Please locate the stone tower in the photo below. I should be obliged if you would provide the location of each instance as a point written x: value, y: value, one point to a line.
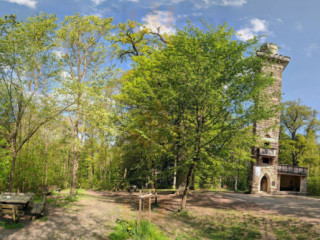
x: 265, y: 168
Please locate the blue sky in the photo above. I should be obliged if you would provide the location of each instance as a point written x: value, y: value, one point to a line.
x: 294, y: 25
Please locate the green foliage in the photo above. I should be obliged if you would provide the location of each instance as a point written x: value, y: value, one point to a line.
x: 299, y: 141
x: 188, y: 100
x: 4, y: 163
x: 129, y: 230
x: 135, y: 39
x: 11, y: 225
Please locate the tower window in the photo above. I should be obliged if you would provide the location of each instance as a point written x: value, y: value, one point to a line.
x: 265, y: 160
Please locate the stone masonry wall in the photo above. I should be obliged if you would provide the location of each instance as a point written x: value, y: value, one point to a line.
x: 269, y: 129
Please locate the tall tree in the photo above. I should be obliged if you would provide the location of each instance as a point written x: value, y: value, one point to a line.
x: 299, y: 124
x: 82, y: 42
x: 206, y: 81
x: 27, y: 71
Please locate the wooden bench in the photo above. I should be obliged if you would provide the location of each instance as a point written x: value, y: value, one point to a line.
x: 16, y: 211
x: 44, y: 191
x: 38, y: 209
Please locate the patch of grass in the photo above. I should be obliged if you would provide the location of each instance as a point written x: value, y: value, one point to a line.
x: 37, y: 198
x: 43, y: 219
x: 282, y: 234
x: 241, y: 225
x: 10, y: 225
x: 183, y: 214
x: 129, y: 230
x: 63, y: 199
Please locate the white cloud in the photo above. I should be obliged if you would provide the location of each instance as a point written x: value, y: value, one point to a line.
x: 203, y: 4
x: 232, y: 3
x: 311, y: 49
x: 58, y: 53
x: 97, y: 2
x: 299, y: 26
x: 65, y: 74
x: 198, y: 4
x: 256, y: 26
x: 160, y: 19
x: 28, y: 3
x: 135, y: 1
x: 195, y: 14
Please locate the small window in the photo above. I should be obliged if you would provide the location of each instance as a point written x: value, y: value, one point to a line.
x: 267, y: 144
x: 265, y: 160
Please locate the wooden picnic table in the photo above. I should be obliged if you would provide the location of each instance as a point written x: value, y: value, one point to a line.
x: 14, y: 204
x: 16, y: 198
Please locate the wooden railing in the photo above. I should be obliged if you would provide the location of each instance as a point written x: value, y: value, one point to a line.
x: 271, y: 152
x: 292, y: 169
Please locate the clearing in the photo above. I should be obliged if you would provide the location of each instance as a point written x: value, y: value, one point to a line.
x: 210, y: 215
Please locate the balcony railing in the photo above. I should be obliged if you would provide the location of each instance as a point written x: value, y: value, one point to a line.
x: 292, y: 169
x: 270, y: 152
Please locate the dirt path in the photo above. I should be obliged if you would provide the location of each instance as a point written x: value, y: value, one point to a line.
x: 306, y: 208
x: 94, y: 216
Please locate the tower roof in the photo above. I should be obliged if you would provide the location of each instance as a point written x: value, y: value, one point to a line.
x: 270, y: 51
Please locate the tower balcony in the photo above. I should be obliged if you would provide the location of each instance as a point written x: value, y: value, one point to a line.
x: 268, y: 152
x: 289, y: 169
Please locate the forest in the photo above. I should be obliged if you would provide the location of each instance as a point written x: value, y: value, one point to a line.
x: 86, y: 103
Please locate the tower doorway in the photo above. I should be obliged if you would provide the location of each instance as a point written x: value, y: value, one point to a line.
x: 264, y: 184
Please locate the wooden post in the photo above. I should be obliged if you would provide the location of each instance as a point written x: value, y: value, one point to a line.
x: 220, y: 184
x: 155, y: 186
x: 236, y: 184
x: 156, y: 198
x: 139, y: 214
x: 149, y: 206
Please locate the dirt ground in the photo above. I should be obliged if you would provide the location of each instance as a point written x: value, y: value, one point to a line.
x: 95, y: 214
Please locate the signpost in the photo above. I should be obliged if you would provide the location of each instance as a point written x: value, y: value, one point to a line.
x: 141, y: 199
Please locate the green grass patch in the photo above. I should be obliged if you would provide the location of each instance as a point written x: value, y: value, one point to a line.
x: 182, y: 214
x: 233, y: 224
x: 43, y: 219
x: 63, y: 199
x: 10, y: 225
x: 129, y: 230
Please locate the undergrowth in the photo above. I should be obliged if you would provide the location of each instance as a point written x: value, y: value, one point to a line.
x: 10, y: 225
x: 129, y: 230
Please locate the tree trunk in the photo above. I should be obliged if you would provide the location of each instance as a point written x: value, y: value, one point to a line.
x: 155, y: 186
x: 75, y: 158
x: 178, y: 156
x: 125, y: 174
x: 124, y: 178
x: 294, y: 159
x: 174, y: 185
x: 186, y: 189
x: 46, y: 157
x: 14, y: 156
